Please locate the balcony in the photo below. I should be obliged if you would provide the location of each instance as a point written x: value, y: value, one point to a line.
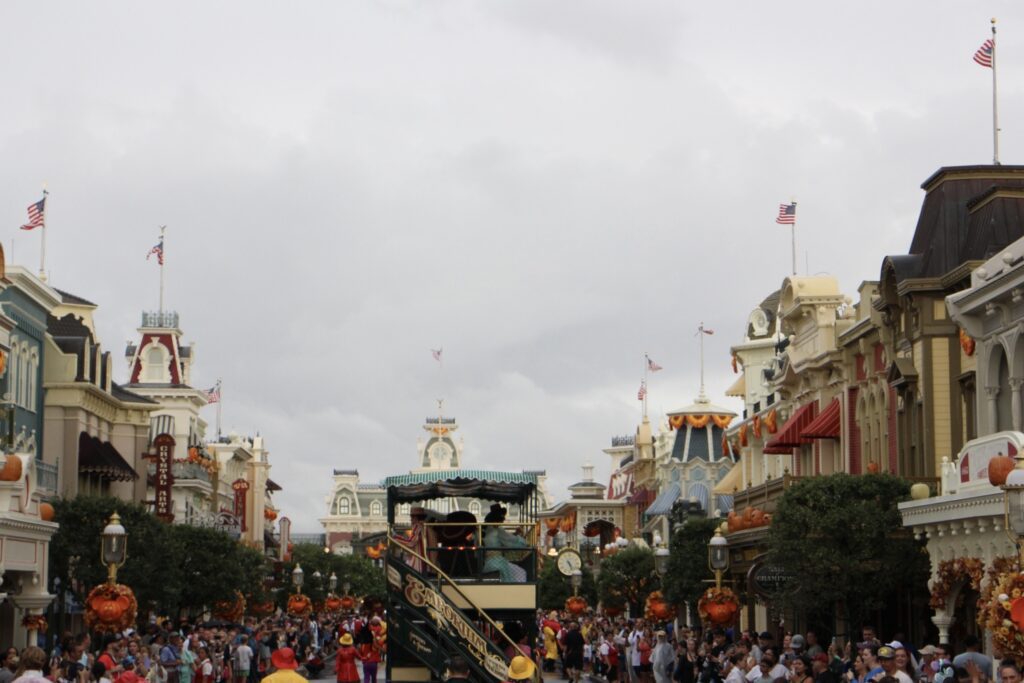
x: 46, y: 478
x: 763, y: 496
x: 184, y: 471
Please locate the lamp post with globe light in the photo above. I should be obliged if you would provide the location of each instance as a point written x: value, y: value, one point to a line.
x: 718, y: 556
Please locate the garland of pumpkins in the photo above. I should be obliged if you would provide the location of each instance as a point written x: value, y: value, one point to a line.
x: 699, y: 421
x: 751, y: 518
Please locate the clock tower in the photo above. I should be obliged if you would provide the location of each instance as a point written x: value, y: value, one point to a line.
x: 440, y: 450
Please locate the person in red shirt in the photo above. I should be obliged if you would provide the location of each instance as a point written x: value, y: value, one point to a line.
x: 128, y: 674
x: 345, y: 665
x: 111, y: 658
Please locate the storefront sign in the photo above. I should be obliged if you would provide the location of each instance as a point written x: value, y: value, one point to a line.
x: 770, y: 580
x: 164, y: 445
x: 241, y: 488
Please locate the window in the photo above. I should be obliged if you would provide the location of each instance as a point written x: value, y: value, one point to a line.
x: 474, y: 508
x: 376, y: 509
x: 342, y: 505
x: 155, y: 363
x: 405, y: 509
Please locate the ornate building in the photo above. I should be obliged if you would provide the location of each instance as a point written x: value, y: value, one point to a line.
x: 357, y: 514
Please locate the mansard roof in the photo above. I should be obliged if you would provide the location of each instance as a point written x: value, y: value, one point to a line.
x: 73, y: 299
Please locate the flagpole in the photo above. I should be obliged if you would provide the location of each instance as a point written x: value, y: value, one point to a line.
x: 42, y: 240
x: 995, y: 104
x: 163, y: 253
x: 792, y: 233
x: 646, y: 365
x: 220, y: 400
x: 700, y: 331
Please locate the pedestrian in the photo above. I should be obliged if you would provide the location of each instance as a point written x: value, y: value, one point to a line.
x: 345, y: 665
x: 241, y: 660
x: 30, y: 666
x: 800, y: 669
x: 573, y: 652
x: 368, y: 654
x: 285, y: 664
x: 663, y: 659
x: 521, y: 668
x: 170, y: 657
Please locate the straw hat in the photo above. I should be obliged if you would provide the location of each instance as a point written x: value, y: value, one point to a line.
x: 346, y: 639
x: 521, y: 668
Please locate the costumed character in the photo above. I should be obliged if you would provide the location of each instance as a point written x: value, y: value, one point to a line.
x: 345, y: 666
x: 497, y: 537
x: 551, y: 629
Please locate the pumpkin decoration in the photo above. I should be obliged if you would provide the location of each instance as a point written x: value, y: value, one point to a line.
x: 874, y: 468
x: 110, y: 608
x: 733, y: 521
x: 718, y: 606
x: 333, y: 603
x: 12, y: 469
x: 998, y: 468
x: 299, y: 605
x: 568, y: 522
x: 756, y: 517
x: 348, y: 603
x: 613, y: 611
x: 46, y: 512
x: 231, y: 610
x: 269, y: 514
x: 576, y: 605
x: 261, y: 609
x: 657, y: 609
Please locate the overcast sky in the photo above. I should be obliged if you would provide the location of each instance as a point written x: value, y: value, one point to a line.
x: 547, y: 189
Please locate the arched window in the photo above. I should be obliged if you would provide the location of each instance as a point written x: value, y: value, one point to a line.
x: 14, y: 374
x: 405, y: 509
x: 342, y: 505
x: 33, y: 380
x: 474, y: 508
x: 376, y: 509
x: 155, y: 363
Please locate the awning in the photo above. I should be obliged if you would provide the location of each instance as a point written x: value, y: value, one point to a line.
x: 738, y: 388
x: 506, y: 487
x: 826, y: 425
x: 662, y: 505
x: 731, y: 482
x: 789, y: 436
x: 101, y: 458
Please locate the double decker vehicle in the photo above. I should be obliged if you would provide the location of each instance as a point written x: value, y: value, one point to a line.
x: 461, y: 572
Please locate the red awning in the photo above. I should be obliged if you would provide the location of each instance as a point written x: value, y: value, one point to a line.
x: 789, y: 436
x: 826, y: 425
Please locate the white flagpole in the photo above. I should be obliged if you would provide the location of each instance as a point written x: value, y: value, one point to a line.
x: 995, y: 104
x: 700, y: 332
x: 42, y: 241
x: 646, y: 364
x: 792, y: 233
x: 163, y: 255
x: 220, y: 400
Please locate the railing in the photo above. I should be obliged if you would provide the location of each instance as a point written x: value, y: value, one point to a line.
x: 627, y: 440
x: 160, y: 319
x: 46, y: 477
x: 763, y: 496
x: 461, y: 549
x: 185, y: 471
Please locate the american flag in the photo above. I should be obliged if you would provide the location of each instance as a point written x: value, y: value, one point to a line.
x: 436, y: 353
x: 158, y: 250
x: 213, y: 394
x: 985, y: 53
x: 642, y: 394
x: 36, y: 215
x: 787, y: 214
x: 652, y: 366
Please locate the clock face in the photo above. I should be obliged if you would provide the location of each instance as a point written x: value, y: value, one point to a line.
x: 569, y: 561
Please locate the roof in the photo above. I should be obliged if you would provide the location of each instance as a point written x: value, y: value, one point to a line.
x: 273, y: 485
x: 68, y: 326
x: 702, y: 406
x: 73, y: 299
x: 100, y: 457
x: 732, y: 481
x: 790, y: 435
x: 739, y: 387
x: 122, y: 394
x: 662, y: 505
x: 826, y: 425
x: 514, y: 487
x: 949, y: 233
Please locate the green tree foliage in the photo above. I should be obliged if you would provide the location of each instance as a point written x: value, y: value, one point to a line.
x: 627, y: 577
x: 841, y: 536
x: 170, y: 567
x: 366, y: 580
x: 554, y: 588
x: 688, y: 569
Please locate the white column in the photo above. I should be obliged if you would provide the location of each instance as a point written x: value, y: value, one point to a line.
x: 1015, y: 402
x: 992, y: 394
x: 943, y: 621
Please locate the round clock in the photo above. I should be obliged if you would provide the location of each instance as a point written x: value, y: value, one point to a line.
x: 568, y: 561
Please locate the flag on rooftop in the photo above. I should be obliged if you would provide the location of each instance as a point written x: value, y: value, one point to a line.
x: 642, y: 394
x: 787, y: 214
x: 213, y: 394
x: 36, y: 215
x: 652, y: 366
x: 985, y: 53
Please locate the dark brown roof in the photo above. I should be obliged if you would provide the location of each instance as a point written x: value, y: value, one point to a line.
x: 122, y: 394
x: 272, y: 485
x: 70, y: 298
x: 949, y: 233
x: 100, y: 457
x: 70, y: 326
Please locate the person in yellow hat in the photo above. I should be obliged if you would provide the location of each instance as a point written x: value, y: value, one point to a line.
x: 521, y: 669
x: 345, y: 665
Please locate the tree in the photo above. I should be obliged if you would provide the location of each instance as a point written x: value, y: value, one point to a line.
x: 554, y: 587
x: 841, y: 537
x: 366, y: 580
x: 627, y: 577
x: 688, y: 569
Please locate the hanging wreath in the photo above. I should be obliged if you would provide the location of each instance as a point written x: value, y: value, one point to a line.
x: 952, y: 572
x: 718, y: 606
x: 34, y: 622
x: 110, y: 608
x: 1001, y: 613
x: 676, y: 421
x: 698, y: 421
x: 721, y: 421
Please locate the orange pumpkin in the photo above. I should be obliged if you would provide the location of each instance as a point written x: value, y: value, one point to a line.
x: 733, y: 521
x: 576, y: 605
x: 998, y: 468
x: 721, y: 612
x: 657, y: 608
x: 333, y: 603
x: 110, y: 609
x: 299, y: 605
x: 348, y: 603
x: 12, y: 469
x: 756, y: 518
x: 46, y: 512
x: 873, y: 468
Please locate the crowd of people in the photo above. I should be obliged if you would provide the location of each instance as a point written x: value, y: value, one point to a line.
x: 252, y: 652
x: 635, y: 651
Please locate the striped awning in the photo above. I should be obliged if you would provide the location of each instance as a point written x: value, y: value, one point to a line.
x: 826, y: 425
x: 662, y: 505
x: 432, y: 477
x: 789, y: 436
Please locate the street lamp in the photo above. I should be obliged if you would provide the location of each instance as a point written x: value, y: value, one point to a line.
x: 718, y: 556
x: 345, y: 587
x: 333, y: 581
x: 114, y: 547
x: 577, y: 580
x: 317, y: 575
x: 297, y: 576
x: 661, y: 560
x: 1014, y: 496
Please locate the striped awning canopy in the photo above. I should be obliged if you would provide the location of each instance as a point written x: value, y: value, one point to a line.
x: 662, y: 505
x: 507, y: 487
x: 789, y: 437
x: 826, y: 425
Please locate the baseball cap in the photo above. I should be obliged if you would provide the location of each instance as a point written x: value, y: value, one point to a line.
x: 927, y: 650
x: 886, y: 652
x: 797, y: 642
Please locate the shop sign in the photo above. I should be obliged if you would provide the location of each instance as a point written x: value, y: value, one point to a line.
x: 771, y: 580
x: 164, y: 445
x: 240, y: 487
